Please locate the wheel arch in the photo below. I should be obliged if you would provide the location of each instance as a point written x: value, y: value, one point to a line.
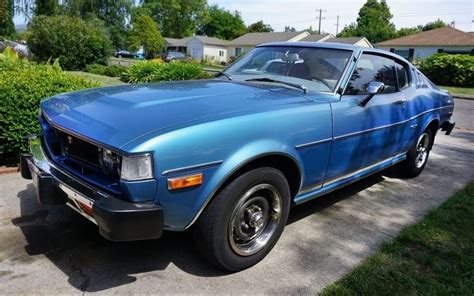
x: 433, y: 126
x: 284, y: 162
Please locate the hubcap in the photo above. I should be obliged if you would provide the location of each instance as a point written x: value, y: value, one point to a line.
x: 254, y: 219
x: 422, y: 148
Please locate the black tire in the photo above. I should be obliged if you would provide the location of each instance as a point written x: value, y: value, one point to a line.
x: 215, y: 234
x: 411, y: 166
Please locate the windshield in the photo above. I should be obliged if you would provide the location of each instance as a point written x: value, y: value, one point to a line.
x: 317, y: 69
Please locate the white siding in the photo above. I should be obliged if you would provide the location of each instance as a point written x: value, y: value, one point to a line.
x: 211, y: 53
x: 195, y: 48
x: 425, y: 51
x: 231, y: 50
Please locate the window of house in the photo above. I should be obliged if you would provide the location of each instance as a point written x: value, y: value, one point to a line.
x: 369, y: 68
x: 221, y: 53
x: 238, y: 51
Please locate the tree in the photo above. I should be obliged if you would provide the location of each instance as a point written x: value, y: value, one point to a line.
x: 407, y: 31
x: 144, y: 32
x: 114, y: 13
x: 46, y: 7
x: 75, y: 42
x: 373, y: 22
x: 222, y: 24
x: 176, y: 18
x: 7, y: 27
x: 434, y: 25
x: 259, y: 27
x: 289, y: 29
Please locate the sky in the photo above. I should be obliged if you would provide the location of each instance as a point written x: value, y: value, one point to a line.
x: 302, y: 13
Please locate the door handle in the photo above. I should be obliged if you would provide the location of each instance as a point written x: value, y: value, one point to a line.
x: 400, y: 102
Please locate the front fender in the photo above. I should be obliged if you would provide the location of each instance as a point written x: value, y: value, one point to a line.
x: 237, y: 160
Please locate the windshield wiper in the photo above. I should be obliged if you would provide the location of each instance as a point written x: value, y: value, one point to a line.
x: 265, y: 79
x: 221, y: 73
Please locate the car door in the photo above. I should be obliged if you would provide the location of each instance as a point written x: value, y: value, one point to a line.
x: 365, y: 135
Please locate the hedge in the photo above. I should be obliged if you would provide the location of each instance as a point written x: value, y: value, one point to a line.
x: 110, y: 70
x: 74, y: 41
x: 21, y: 90
x: 151, y: 71
x: 449, y: 70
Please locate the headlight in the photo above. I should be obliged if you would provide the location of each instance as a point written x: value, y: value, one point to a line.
x: 137, y: 167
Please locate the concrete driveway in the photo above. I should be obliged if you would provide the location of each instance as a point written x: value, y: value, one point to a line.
x: 54, y: 250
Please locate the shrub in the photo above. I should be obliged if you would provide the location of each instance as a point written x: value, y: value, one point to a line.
x: 20, y: 93
x: 110, y: 70
x: 75, y: 42
x: 449, y: 70
x: 149, y: 71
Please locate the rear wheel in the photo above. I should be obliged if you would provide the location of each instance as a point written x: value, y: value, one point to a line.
x: 245, y: 220
x: 418, y: 154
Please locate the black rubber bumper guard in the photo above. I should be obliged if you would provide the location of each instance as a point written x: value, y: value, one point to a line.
x: 118, y: 220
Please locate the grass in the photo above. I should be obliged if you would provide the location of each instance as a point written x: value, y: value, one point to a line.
x: 459, y: 90
x: 432, y: 257
x: 102, y: 80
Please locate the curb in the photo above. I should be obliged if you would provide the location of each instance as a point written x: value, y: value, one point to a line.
x: 9, y: 170
x: 463, y: 97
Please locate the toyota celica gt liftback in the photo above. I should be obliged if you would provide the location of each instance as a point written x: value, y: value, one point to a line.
x: 228, y: 157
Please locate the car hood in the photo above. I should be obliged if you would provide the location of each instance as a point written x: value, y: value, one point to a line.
x: 117, y: 115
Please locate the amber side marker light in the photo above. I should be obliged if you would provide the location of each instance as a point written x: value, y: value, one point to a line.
x: 87, y: 209
x: 185, y: 182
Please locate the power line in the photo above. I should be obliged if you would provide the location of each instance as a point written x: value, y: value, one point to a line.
x: 320, y: 18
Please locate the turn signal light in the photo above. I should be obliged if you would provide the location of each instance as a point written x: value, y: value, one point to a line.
x: 184, y: 182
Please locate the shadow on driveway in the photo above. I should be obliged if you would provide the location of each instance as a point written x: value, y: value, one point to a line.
x: 93, y: 263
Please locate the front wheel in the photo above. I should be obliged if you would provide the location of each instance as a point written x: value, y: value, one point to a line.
x: 418, y: 154
x: 245, y: 220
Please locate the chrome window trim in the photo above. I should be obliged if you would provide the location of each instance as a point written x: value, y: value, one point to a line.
x: 192, y: 167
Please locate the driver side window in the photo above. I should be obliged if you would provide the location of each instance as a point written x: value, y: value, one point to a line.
x: 369, y: 68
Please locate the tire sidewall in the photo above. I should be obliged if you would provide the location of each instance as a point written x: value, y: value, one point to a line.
x: 229, y: 198
x: 411, y: 169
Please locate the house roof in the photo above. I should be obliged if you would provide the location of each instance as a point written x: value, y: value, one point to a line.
x: 345, y: 40
x: 211, y: 40
x: 253, y: 39
x: 316, y: 37
x: 446, y: 36
x: 176, y: 42
x: 204, y: 39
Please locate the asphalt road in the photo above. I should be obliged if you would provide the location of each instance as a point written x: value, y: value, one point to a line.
x: 54, y: 250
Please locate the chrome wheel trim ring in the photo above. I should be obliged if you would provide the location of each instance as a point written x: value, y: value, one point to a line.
x: 254, y: 219
x: 422, y: 148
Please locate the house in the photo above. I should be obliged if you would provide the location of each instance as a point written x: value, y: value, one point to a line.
x: 424, y: 44
x: 198, y: 47
x: 359, y: 41
x: 249, y: 41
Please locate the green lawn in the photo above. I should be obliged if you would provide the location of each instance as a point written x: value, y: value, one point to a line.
x: 432, y: 257
x: 459, y: 90
x: 102, y: 80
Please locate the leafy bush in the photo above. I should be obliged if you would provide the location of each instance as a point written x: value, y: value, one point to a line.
x: 21, y: 90
x: 75, y: 42
x: 150, y: 71
x: 450, y: 70
x: 110, y: 70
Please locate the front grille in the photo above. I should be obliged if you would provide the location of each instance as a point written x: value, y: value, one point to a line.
x: 79, y: 149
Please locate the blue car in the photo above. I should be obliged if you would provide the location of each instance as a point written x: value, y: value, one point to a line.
x: 228, y: 157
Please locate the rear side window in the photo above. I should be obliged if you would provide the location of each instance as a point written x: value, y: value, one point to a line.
x: 369, y: 68
x: 402, y: 75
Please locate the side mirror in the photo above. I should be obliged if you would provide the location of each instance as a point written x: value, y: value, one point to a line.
x: 375, y: 87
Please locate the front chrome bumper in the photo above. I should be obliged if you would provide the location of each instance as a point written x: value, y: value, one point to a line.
x: 117, y: 220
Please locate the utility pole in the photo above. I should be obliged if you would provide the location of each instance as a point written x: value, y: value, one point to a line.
x: 320, y: 18
x: 337, y: 26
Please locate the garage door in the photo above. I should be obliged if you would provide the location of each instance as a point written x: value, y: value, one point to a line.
x: 196, y: 54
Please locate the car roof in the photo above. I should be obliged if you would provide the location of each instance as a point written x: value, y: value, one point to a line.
x: 331, y: 45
